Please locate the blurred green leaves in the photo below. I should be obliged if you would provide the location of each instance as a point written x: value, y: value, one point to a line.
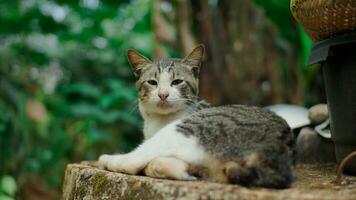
x: 67, y: 91
x: 8, y: 187
x: 278, y: 11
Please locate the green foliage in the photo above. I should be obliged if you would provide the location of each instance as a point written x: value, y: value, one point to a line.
x: 67, y: 91
x: 278, y: 12
x: 7, y: 188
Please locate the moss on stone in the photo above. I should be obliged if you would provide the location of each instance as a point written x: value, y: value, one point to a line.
x: 136, y: 190
x: 100, y: 183
x: 79, y: 192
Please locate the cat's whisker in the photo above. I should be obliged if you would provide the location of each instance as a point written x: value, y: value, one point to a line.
x: 133, y: 106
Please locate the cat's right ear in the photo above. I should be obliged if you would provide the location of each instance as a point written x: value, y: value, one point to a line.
x: 137, y: 61
x: 194, y: 59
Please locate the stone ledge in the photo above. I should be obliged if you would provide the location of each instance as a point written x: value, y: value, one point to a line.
x: 312, y: 182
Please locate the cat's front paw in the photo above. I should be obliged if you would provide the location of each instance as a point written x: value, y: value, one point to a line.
x: 103, y: 159
x: 169, y: 167
x: 120, y: 163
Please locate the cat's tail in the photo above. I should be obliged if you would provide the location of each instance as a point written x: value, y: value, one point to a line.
x: 257, y: 171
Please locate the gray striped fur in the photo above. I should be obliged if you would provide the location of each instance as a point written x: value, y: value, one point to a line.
x: 236, y: 132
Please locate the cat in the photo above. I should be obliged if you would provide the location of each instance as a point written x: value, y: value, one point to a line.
x: 187, y: 139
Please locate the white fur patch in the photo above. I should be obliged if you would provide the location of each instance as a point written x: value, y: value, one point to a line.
x: 168, y: 142
x: 153, y: 123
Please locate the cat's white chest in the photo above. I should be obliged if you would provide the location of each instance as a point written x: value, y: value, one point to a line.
x: 152, y: 127
x: 153, y: 124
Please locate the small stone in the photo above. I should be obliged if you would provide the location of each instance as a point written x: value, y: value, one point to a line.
x: 307, y: 141
x: 318, y: 113
x: 314, y: 149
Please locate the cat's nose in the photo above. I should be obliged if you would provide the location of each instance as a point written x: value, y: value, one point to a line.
x: 163, y: 95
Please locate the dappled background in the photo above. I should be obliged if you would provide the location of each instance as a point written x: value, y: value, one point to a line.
x: 67, y: 92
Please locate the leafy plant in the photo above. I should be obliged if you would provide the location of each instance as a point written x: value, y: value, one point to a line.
x: 67, y: 91
x: 7, y: 188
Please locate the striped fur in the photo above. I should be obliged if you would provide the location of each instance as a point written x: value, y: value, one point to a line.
x: 245, y: 134
x: 187, y: 139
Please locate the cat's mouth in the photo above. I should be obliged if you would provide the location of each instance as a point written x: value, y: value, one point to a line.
x: 164, y: 105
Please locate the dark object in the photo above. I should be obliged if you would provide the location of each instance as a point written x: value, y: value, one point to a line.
x: 343, y: 163
x: 337, y: 57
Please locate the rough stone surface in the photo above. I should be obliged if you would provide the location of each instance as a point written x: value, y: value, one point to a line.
x: 312, y: 182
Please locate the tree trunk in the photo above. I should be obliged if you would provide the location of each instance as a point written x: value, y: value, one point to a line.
x: 242, y: 61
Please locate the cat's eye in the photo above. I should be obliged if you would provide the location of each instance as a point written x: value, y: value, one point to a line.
x: 177, y: 82
x: 152, y: 82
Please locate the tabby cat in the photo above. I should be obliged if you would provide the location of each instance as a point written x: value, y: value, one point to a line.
x: 187, y: 139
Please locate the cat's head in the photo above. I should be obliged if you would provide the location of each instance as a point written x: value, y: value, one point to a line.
x: 168, y: 85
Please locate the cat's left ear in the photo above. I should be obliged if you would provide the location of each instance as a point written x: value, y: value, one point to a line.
x: 195, y: 58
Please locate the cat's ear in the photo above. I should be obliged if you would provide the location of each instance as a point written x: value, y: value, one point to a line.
x: 195, y: 58
x: 137, y: 61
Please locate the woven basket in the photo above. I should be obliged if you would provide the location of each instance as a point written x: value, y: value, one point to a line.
x: 322, y: 19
